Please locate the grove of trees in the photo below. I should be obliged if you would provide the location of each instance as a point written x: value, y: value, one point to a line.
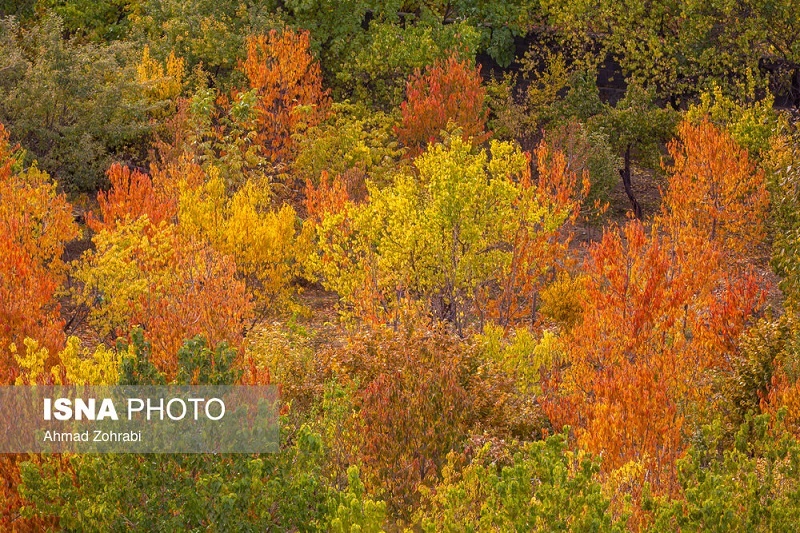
x: 514, y: 266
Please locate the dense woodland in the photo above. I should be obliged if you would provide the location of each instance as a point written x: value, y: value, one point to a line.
x: 515, y: 266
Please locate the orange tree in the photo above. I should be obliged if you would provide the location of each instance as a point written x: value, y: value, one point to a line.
x: 448, y: 91
x: 132, y: 194
x: 250, y: 132
x: 175, y: 287
x: 715, y: 190
x: 663, y: 311
x: 288, y: 86
x: 35, y: 222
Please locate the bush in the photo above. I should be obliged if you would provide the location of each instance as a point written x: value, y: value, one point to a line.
x: 76, y: 107
x: 544, y: 487
x: 752, y: 486
x: 587, y: 150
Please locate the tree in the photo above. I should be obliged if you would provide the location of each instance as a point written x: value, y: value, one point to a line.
x: 371, y: 47
x: 209, y: 35
x: 416, y: 395
x: 587, y: 151
x: 469, y: 236
x: 246, y: 226
x: 752, y: 483
x: 355, y: 142
x: 381, y: 62
x: 75, y: 106
x: 74, y: 365
x: 103, y: 20
x: 250, y: 133
x: 16, y: 8
x: 783, y: 178
x: 671, y: 47
x: 751, y: 122
x: 636, y: 128
x: 448, y: 92
x: 35, y: 222
x: 131, y: 195
x: 284, y: 490
x: 615, y: 350
x: 175, y: 287
x: 775, y: 24
x: 537, y: 486
x: 664, y: 311
x: 715, y: 191
x: 352, y: 509
x: 656, y: 327
x: 163, y: 83
x: 288, y: 85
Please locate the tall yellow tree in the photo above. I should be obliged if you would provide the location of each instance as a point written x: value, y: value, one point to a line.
x: 469, y: 237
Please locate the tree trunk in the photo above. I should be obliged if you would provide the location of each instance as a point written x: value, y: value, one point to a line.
x: 626, y: 181
x: 795, y: 89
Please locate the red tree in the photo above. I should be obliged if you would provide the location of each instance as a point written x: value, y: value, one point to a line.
x: 131, y: 195
x: 446, y: 92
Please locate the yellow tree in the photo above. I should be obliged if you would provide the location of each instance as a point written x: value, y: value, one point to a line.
x: 469, y: 237
x: 260, y: 238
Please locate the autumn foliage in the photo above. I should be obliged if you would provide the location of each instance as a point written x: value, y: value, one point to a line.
x: 288, y: 85
x: 131, y: 195
x: 715, y: 190
x: 663, y: 308
x: 431, y: 255
x: 35, y: 223
x: 447, y: 92
x: 173, y: 286
x: 652, y: 334
x: 539, y: 246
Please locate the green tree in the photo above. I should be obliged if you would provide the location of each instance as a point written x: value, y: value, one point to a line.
x: 352, y: 510
x: 775, y: 24
x: 95, y: 20
x: 151, y: 492
x: 541, y: 487
x: 282, y: 491
x: 753, y: 485
x: 76, y: 107
x: 637, y: 128
x: 783, y: 181
x: 17, y: 8
x: 673, y: 47
x: 208, y: 34
x: 354, y: 141
x: 377, y: 71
